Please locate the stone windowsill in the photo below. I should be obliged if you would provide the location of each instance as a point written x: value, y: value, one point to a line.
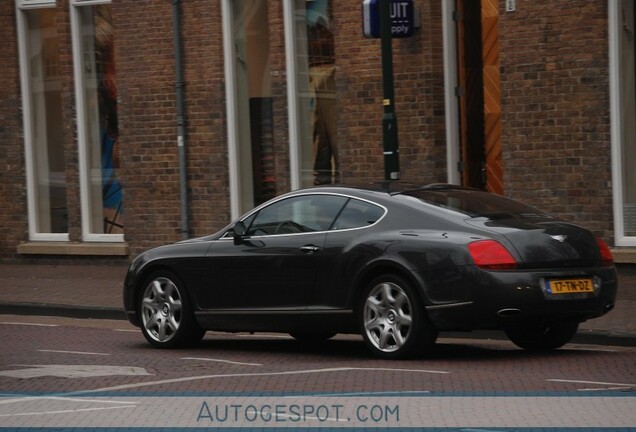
x: 624, y: 255
x: 73, y: 248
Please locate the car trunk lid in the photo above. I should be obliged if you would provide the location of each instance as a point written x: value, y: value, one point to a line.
x: 545, y: 243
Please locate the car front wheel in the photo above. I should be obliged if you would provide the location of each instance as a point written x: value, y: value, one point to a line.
x: 545, y: 337
x: 393, y: 322
x: 167, y: 318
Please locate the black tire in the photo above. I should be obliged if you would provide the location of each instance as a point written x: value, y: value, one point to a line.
x: 310, y: 337
x: 166, y: 314
x: 392, y: 320
x: 546, y: 337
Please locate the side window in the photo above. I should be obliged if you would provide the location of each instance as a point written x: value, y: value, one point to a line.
x: 358, y: 214
x: 308, y: 213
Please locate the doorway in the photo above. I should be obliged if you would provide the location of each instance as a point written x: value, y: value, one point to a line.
x: 479, y: 93
x: 622, y: 24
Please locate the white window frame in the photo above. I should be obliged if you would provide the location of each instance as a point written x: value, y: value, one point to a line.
x: 231, y: 102
x: 295, y: 156
x: 35, y: 4
x: 82, y: 132
x: 616, y: 120
x: 21, y: 6
x: 449, y: 36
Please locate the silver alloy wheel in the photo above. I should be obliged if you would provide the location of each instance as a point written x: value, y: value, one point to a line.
x: 161, y: 309
x: 387, y: 317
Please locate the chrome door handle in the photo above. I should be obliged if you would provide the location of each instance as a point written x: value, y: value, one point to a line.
x: 310, y: 249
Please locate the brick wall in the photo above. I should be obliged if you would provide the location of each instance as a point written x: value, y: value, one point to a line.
x: 419, y: 97
x: 555, y: 103
x: 206, y: 141
x: 555, y: 118
x: 13, y: 225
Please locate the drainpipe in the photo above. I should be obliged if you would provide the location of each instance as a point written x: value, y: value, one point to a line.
x: 179, y: 86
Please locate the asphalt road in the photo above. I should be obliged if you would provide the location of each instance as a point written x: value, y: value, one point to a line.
x: 62, y: 372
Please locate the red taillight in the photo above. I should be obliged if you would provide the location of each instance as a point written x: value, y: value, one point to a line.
x: 491, y: 255
x: 606, y: 254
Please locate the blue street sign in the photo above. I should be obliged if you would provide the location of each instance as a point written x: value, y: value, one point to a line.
x: 402, y: 18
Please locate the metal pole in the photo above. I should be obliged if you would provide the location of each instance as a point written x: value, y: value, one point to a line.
x: 389, y: 120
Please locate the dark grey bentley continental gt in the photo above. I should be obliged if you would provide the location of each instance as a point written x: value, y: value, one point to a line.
x: 394, y: 264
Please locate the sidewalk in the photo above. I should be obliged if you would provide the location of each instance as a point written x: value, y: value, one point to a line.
x: 95, y: 291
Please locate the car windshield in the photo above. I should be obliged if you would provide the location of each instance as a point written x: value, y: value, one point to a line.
x: 474, y: 203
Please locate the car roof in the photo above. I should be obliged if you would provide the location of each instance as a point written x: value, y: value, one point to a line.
x: 388, y: 187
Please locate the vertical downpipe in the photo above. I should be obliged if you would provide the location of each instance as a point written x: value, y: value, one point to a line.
x: 179, y: 86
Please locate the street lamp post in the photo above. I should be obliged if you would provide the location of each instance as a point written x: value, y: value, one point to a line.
x: 389, y: 119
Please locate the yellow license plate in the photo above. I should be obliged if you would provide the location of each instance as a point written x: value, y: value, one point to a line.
x: 570, y: 286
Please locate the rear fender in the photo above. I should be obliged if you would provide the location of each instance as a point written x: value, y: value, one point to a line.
x: 386, y: 266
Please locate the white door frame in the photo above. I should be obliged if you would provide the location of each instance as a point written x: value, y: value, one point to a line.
x: 616, y: 122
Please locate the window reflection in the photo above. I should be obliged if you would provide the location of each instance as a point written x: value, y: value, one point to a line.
x: 317, y: 92
x: 47, y: 144
x: 100, y: 98
x: 255, y: 103
x: 629, y: 112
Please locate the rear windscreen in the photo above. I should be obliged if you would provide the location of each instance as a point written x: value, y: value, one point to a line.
x: 474, y: 203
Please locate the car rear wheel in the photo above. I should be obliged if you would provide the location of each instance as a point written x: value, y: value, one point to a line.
x: 546, y: 337
x: 393, y: 322
x: 167, y: 318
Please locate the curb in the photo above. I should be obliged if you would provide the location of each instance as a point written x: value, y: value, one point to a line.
x: 598, y: 337
x: 584, y: 337
x: 67, y: 311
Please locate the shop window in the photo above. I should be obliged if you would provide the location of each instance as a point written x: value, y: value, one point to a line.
x: 315, y: 91
x: 311, y: 89
x: 628, y: 109
x: 45, y: 119
x: 43, y: 124
x: 622, y: 48
x: 251, y: 123
x: 99, y: 149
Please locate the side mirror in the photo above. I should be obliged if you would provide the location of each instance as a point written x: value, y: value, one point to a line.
x: 239, y: 232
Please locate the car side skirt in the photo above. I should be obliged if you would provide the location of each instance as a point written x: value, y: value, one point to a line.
x: 285, y: 321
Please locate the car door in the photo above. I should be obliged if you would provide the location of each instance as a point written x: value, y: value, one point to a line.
x: 352, y: 243
x: 274, y: 265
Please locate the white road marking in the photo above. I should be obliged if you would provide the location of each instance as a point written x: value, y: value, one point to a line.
x: 221, y: 361
x: 247, y: 375
x: 64, y: 399
x: 376, y: 393
x: 592, y: 349
x: 120, y: 405
x: 74, y: 352
x: 600, y: 383
x: 69, y: 411
x: 603, y: 389
x: 73, y: 371
x: 127, y: 330
x: 29, y: 324
x: 83, y: 400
